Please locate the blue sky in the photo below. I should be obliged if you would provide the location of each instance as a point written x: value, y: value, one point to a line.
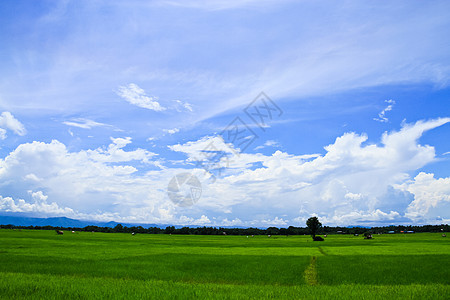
x: 103, y: 103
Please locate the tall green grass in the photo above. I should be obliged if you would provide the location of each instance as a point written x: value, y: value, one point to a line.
x: 38, y: 286
x: 233, y: 269
x: 384, y: 269
x: 43, y: 265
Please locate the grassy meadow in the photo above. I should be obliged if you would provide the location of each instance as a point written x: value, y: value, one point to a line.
x: 43, y: 265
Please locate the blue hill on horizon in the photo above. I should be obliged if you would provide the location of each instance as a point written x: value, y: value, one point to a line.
x: 68, y: 222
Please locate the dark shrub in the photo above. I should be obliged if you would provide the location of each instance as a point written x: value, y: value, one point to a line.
x: 318, y: 238
x: 368, y: 236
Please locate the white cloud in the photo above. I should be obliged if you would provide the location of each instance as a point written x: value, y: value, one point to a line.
x: 180, y: 105
x: 274, y: 222
x: 381, y: 116
x: 311, y: 57
x: 133, y: 94
x: 82, y: 180
x: 352, y: 183
x: 196, y: 149
x: 7, y: 121
x: 2, y: 134
x: 115, y: 153
x: 32, y: 177
x: 431, y: 198
x: 203, y: 220
x: 271, y: 143
x: 362, y: 217
x: 347, y: 184
x: 268, y: 143
x: 83, y: 123
x: 171, y: 131
x: 234, y: 222
x: 39, y: 205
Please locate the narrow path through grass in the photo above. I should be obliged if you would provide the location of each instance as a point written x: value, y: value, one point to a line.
x: 311, y: 272
x: 322, y: 251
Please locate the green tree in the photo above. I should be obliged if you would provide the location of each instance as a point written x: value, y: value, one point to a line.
x: 118, y: 228
x: 169, y: 230
x: 314, y: 225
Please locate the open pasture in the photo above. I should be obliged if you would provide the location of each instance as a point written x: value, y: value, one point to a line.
x: 41, y: 264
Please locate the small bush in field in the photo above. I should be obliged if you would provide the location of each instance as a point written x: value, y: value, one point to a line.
x: 368, y: 236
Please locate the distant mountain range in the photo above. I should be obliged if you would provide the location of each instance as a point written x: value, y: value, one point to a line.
x: 64, y: 222
x: 67, y: 222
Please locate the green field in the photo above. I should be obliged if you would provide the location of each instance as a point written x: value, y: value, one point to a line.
x: 43, y: 265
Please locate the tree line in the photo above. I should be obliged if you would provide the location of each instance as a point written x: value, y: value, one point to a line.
x: 291, y: 230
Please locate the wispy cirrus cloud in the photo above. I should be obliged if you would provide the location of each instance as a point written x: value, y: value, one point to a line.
x: 182, y: 105
x: 9, y: 122
x: 382, y: 115
x: 135, y: 95
x: 85, y: 123
x: 269, y: 143
x: 304, y: 55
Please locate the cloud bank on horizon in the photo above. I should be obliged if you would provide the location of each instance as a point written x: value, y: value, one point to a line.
x: 103, y: 103
x: 351, y: 183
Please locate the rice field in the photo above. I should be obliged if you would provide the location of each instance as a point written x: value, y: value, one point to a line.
x: 83, y: 265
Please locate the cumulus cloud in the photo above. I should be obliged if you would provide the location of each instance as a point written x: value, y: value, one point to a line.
x: 368, y: 217
x: 349, y: 183
x: 275, y: 222
x: 135, y: 95
x: 353, y: 182
x: 38, y: 205
x: 203, y: 220
x: 431, y: 198
x: 9, y: 122
x: 382, y: 115
x: 115, y: 152
x: 86, y: 181
x: 196, y: 150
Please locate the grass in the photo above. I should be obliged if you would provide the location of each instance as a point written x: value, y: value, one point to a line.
x: 310, y: 273
x: 43, y: 265
x: 385, y: 269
